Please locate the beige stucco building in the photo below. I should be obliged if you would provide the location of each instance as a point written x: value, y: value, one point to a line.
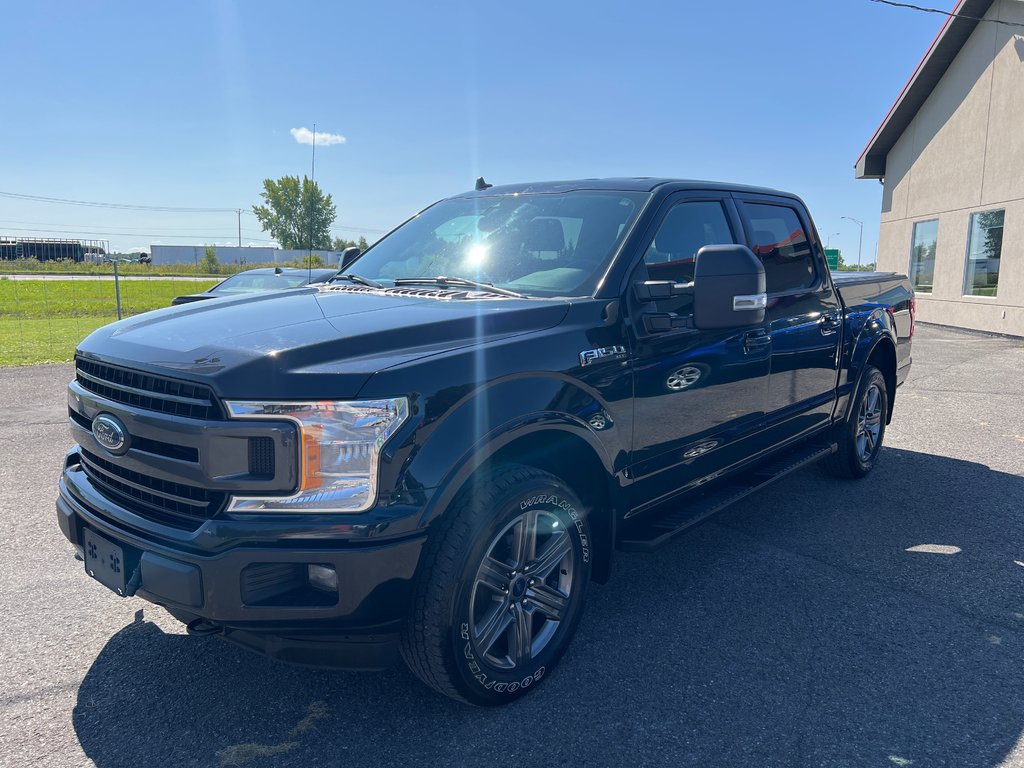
x: 950, y: 155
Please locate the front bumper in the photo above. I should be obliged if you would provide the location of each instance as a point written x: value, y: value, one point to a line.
x: 358, y: 629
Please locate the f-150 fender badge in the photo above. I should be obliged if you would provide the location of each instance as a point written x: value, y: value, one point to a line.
x: 589, y: 356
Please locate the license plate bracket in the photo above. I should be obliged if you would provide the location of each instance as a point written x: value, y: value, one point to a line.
x: 105, y: 562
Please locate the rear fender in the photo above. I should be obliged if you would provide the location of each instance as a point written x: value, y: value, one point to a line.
x: 866, y: 331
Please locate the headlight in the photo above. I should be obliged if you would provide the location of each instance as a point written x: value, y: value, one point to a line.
x: 339, y: 447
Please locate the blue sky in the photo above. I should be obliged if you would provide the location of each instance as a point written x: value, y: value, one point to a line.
x: 193, y: 103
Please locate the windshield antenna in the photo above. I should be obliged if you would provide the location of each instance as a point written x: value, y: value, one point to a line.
x: 481, y: 184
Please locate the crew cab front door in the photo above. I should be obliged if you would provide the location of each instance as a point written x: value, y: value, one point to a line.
x: 698, y: 394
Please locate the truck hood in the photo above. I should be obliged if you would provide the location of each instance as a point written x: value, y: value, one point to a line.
x: 309, y: 343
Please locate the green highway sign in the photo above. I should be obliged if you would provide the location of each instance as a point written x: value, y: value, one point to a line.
x: 832, y: 257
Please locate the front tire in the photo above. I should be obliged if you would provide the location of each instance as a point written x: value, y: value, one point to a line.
x: 501, y: 587
x: 859, y: 436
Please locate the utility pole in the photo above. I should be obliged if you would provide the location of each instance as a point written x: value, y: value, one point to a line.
x: 239, y: 228
x: 860, y: 240
x: 312, y: 178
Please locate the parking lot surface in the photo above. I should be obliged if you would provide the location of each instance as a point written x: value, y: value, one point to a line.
x: 819, y: 623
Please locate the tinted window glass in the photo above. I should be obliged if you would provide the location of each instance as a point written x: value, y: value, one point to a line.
x: 687, y: 228
x: 922, y: 255
x: 256, y: 283
x: 984, y: 252
x: 537, y: 244
x: 782, y: 245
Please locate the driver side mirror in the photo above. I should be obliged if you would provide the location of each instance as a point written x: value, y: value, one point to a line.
x: 349, y: 255
x: 729, y: 288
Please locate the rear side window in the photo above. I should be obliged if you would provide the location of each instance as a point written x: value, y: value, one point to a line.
x: 687, y: 228
x: 781, y: 243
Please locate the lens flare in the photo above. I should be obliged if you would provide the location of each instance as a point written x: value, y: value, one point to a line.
x: 476, y: 255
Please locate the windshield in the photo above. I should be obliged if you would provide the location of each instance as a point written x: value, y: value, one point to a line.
x: 534, y: 244
x: 255, y: 283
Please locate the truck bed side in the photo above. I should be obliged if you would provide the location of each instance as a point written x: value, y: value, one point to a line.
x: 876, y: 304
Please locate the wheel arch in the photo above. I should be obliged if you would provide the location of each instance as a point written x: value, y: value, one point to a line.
x: 874, y: 343
x: 883, y: 357
x: 557, y: 445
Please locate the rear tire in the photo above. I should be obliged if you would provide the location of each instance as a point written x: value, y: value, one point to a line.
x: 860, y: 434
x: 501, y: 587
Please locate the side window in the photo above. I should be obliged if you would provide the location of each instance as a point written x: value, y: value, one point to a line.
x: 984, y: 252
x: 687, y: 228
x: 922, y: 254
x: 782, y: 245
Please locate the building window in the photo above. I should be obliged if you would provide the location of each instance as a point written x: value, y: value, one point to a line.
x: 984, y: 249
x: 922, y: 255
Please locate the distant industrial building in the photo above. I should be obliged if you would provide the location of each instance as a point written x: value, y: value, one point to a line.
x: 950, y: 156
x: 231, y: 254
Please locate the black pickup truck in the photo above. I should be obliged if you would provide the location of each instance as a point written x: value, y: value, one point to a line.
x: 433, y: 454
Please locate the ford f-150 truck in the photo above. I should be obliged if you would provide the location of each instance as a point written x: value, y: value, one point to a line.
x: 433, y: 455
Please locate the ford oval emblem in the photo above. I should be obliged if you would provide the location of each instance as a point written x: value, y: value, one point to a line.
x: 110, y: 433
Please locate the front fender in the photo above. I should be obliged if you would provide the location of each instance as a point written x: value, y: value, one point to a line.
x: 489, y: 418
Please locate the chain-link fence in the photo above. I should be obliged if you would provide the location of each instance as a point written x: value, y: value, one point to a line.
x: 47, y: 309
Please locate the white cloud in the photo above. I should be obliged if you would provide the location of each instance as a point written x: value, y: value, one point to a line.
x: 305, y: 136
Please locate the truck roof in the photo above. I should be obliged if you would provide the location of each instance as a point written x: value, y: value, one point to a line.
x: 623, y: 184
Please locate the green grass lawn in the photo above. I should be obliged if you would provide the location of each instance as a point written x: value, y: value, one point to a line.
x: 44, y: 320
x: 63, y: 267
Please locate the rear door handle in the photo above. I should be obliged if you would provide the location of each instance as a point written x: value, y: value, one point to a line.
x: 756, y: 340
x: 830, y: 322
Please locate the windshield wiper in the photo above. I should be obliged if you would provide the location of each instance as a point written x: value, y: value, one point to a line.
x: 354, y: 278
x: 443, y: 281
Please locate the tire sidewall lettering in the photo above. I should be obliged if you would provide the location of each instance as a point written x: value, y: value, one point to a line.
x: 467, y: 655
x: 566, y: 506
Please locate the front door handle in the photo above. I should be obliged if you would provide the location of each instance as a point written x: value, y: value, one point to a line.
x: 754, y: 341
x: 830, y: 322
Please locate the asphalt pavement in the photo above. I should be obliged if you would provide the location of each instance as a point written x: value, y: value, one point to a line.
x: 820, y: 623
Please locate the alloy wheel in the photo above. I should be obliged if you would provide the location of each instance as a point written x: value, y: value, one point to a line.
x: 522, y: 590
x: 869, y: 423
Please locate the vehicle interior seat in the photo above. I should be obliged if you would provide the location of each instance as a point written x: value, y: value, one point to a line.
x: 544, y: 235
x: 684, y: 232
x: 791, y: 265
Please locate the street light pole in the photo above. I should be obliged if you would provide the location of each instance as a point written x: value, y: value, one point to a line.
x: 860, y: 240
x: 828, y: 240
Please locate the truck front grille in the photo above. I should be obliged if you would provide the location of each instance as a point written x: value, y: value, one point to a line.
x: 147, y: 391
x: 175, y: 504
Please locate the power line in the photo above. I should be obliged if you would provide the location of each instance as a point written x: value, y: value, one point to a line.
x: 124, y: 206
x: 163, y: 209
x: 129, y: 234
x: 121, y: 230
x: 360, y: 229
x: 946, y: 13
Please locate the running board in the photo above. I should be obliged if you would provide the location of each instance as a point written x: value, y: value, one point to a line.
x: 653, y: 533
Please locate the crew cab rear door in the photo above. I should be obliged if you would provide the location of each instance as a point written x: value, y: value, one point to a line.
x: 804, y: 315
x: 697, y: 393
